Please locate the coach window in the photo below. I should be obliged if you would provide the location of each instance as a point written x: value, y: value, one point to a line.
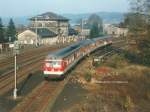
x: 66, y: 62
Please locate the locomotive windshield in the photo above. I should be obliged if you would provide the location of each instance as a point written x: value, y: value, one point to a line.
x: 55, y: 64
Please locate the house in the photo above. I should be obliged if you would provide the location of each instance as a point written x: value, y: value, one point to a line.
x: 84, y: 31
x: 115, y: 30
x: 54, y: 22
x: 40, y: 36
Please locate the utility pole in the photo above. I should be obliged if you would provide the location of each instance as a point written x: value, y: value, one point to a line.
x: 16, y: 51
x: 36, y: 31
x: 15, y: 89
x: 82, y: 27
x: 59, y: 31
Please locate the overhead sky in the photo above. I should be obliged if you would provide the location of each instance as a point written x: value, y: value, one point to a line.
x: 33, y: 7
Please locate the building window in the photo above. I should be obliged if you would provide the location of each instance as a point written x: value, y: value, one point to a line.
x: 25, y: 42
x: 31, y: 41
x: 39, y: 24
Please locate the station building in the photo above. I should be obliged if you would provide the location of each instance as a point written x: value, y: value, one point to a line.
x: 46, y: 28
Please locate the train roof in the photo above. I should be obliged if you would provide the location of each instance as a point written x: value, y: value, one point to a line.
x: 65, y: 51
x: 70, y: 49
x: 99, y: 38
x: 88, y: 41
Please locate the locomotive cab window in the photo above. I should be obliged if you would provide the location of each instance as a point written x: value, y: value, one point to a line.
x: 49, y: 64
x: 56, y: 64
x: 53, y: 64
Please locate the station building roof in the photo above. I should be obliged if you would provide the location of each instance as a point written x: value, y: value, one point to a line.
x: 49, y: 16
x: 44, y: 32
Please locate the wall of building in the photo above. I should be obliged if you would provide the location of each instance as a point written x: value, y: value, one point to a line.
x: 49, y: 41
x: 53, y: 26
x: 27, y: 37
x: 115, y: 31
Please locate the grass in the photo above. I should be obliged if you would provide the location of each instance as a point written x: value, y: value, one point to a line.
x: 131, y: 97
x: 116, y: 61
x: 88, y: 77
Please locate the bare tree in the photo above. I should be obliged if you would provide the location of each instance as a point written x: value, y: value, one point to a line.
x: 138, y: 22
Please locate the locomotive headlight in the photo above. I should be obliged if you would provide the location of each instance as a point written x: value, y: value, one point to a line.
x: 47, y: 64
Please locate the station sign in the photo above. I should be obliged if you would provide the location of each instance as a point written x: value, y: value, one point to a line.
x: 16, y: 47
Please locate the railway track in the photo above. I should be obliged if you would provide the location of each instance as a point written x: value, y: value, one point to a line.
x: 28, y: 53
x: 41, y: 96
x: 7, y: 83
x: 44, y: 96
x: 21, y: 58
x: 7, y: 67
x: 31, y: 63
x: 9, y: 60
x: 27, y: 62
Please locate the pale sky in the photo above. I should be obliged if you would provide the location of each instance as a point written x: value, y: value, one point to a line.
x: 12, y: 8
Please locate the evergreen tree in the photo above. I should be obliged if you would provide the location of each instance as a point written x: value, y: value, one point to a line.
x: 2, y: 39
x: 94, y: 32
x: 95, y: 23
x: 11, y: 31
x: 95, y: 20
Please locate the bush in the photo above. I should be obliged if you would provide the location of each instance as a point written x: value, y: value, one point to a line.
x: 88, y: 77
x: 148, y: 95
x: 97, y: 64
x: 128, y: 103
x: 117, y: 61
